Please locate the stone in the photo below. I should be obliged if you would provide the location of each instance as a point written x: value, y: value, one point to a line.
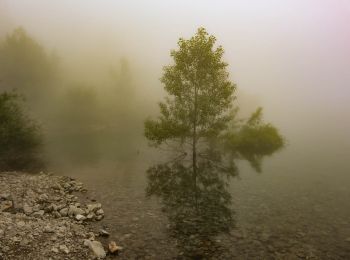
x: 64, y: 212
x: 21, y: 223
x: 103, y: 233
x: 27, y: 209
x: 96, y: 247
x: 64, y: 249
x: 48, y: 229
x: 36, y: 207
x: 80, y: 217
x: 55, y: 250
x: 5, y: 205
x: 90, y: 216
x: 99, y: 217
x: 91, y: 236
x: 5, y: 196
x: 56, y: 214
x: 113, y: 248
x: 73, y: 211
x: 94, y: 207
x: 24, y: 242
x: 43, y: 197
x: 100, y: 212
x: 39, y: 213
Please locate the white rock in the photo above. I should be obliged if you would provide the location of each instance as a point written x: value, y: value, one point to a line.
x: 73, y: 211
x: 80, y: 217
x: 39, y: 213
x: 64, y: 212
x: 64, y: 249
x: 43, y: 197
x: 90, y: 216
x: 104, y: 233
x: 96, y: 247
x: 100, y: 212
x: 94, y: 207
x: 27, y: 209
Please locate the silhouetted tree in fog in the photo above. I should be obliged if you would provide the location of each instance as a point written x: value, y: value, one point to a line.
x: 25, y: 66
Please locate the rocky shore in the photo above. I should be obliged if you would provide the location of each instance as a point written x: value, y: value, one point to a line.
x: 43, y: 216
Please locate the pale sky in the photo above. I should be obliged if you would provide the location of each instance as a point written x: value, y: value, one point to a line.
x: 293, y: 54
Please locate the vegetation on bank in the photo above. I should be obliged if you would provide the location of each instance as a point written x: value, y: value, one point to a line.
x: 20, y: 136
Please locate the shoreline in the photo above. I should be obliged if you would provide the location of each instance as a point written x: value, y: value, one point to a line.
x: 43, y: 216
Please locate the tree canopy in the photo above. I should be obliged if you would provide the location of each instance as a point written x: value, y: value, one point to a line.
x: 25, y: 65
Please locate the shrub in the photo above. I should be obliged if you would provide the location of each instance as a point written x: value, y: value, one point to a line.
x: 20, y: 136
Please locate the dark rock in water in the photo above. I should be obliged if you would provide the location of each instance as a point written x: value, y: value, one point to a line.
x: 104, y: 233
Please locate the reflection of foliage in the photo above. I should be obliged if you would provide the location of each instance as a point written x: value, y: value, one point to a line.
x: 197, y: 208
x: 122, y: 85
x: 75, y: 134
x: 79, y: 107
x: 25, y: 65
x: 20, y: 138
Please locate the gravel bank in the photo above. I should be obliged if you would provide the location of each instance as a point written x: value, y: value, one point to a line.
x: 43, y: 217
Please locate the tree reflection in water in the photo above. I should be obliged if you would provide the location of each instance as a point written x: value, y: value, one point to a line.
x: 198, y: 207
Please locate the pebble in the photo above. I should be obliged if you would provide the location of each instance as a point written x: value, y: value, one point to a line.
x: 113, y: 248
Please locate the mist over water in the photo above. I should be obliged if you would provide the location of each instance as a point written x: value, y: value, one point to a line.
x: 289, y: 57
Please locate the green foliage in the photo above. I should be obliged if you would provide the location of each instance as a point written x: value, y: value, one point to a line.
x: 200, y: 93
x: 199, y: 108
x: 20, y: 138
x: 253, y: 140
x: 24, y: 64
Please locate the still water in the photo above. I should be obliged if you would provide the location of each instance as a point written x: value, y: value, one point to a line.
x: 297, y: 208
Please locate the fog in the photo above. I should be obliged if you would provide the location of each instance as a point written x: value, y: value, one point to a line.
x: 290, y: 57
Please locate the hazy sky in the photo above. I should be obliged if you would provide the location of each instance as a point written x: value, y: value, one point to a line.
x: 293, y: 54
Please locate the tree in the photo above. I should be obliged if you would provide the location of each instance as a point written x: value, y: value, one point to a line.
x: 25, y: 65
x: 198, y: 121
x: 201, y: 95
x: 20, y: 137
x: 199, y: 110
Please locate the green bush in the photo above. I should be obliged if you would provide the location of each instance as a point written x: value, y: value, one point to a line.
x: 20, y: 136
